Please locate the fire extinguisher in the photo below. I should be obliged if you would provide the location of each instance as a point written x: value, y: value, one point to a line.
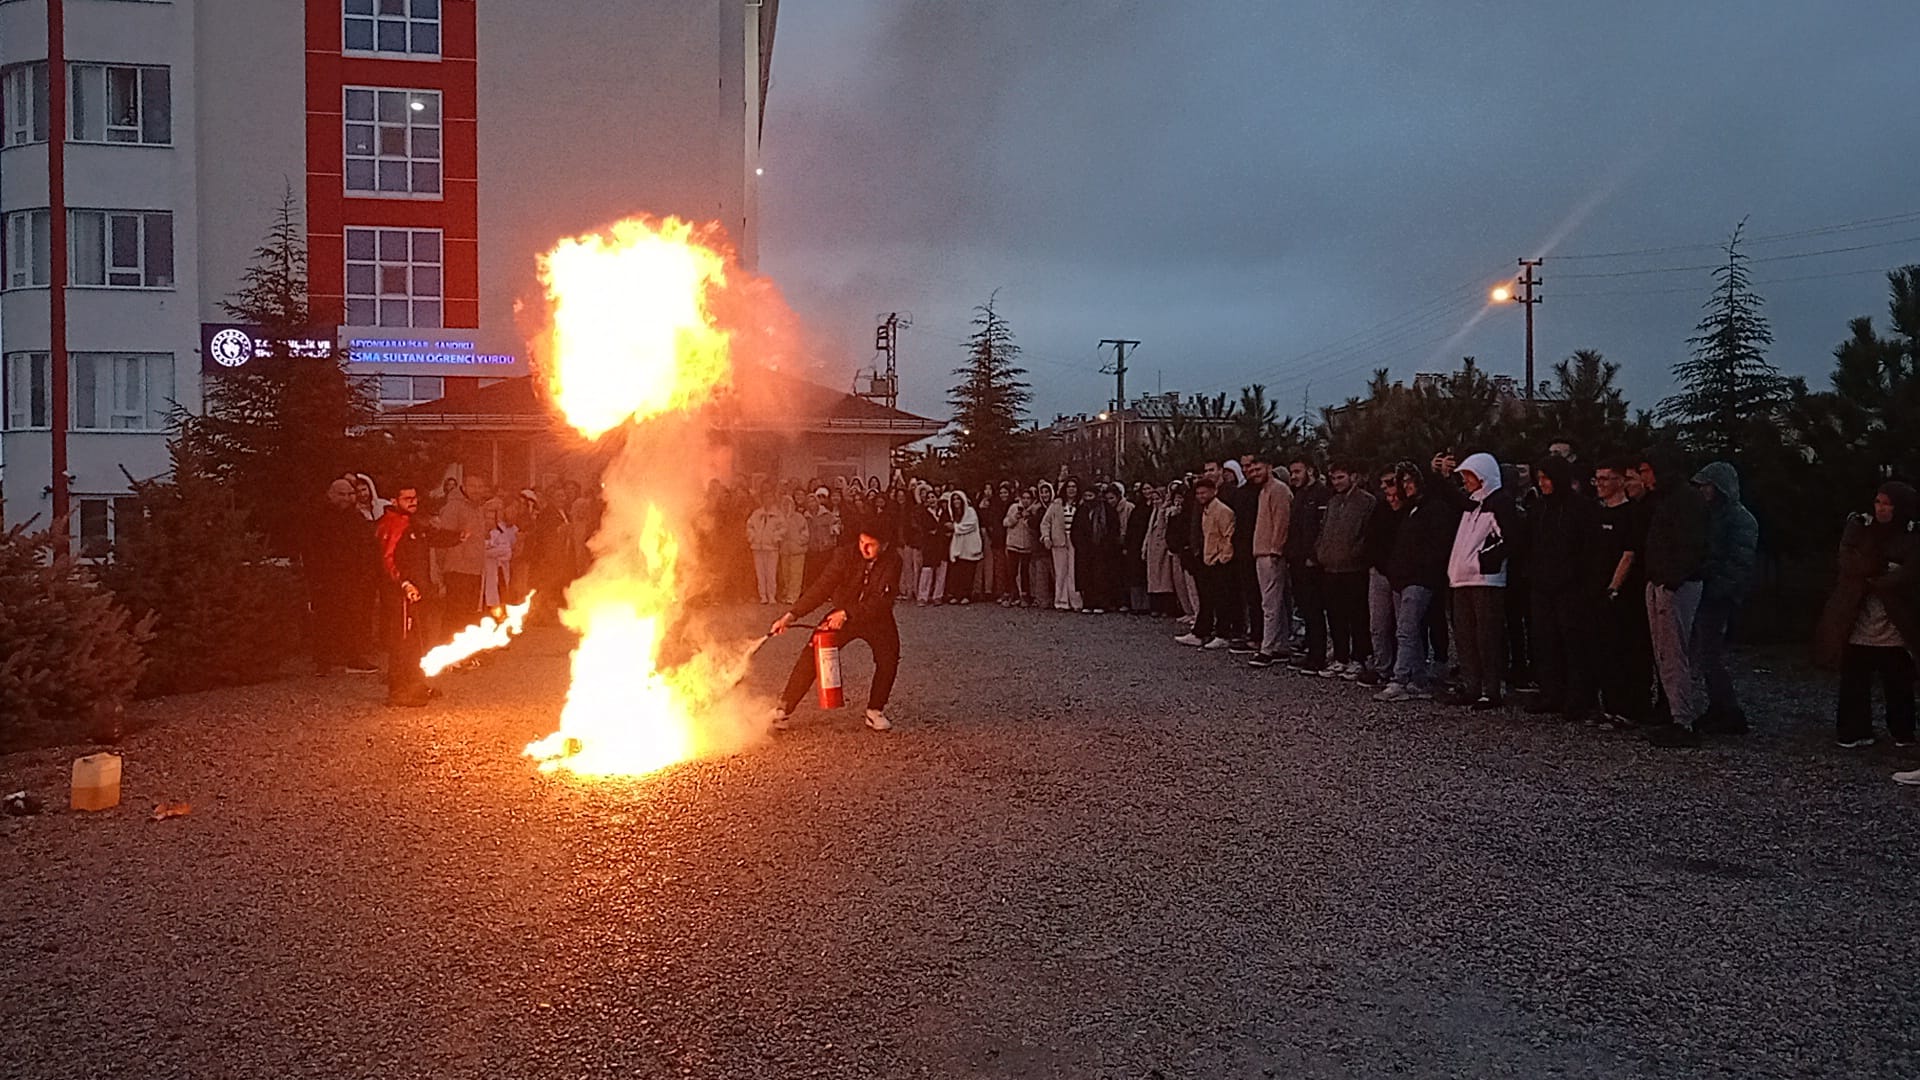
x: 826, y: 662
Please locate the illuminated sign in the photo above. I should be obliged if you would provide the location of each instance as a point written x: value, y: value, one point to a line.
x: 438, y: 350
x: 232, y: 346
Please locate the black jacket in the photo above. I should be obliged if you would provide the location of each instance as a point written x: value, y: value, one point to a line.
x: 1567, y: 546
x: 862, y: 589
x: 1676, y: 544
x: 343, y: 557
x: 1421, y: 544
x: 1244, y: 501
x: 1303, y: 529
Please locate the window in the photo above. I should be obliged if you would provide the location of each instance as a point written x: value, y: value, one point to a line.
x: 121, y: 249
x: 117, y: 104
x: 99, y: 520
x: 393, y: 141
x: 28, y: 386
x: 29, y: 248
x: 393, y: 26
x: 393, y: 277
x: 25, y: 103
x: 400, y: 391
x: 122, y: 391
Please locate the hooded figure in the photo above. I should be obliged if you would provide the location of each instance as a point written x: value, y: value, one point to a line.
x: 1488, y: 528
x: 1096, y: 540
x: 1569, y: 577
x: 1879, y: 580
x: 965, y: 548
x: 367, y: 498
x: 1733, y: 538
x: 1871, y: 625
x: 1483, y: 544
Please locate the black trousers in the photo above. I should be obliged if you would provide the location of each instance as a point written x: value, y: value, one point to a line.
x: 1246, y: 591
x: 1215, y: 585
x: 341, y: 626
x: 1895, y: 668
x: 1625, y: 657
x: 882, y: 636
x: 1519, y: 615
x: 1564, y: 625
x: 407, y: 627
x: 1310, y: 594
x: 461, y: 608
x: 1346, y: 603
x: 960, y: 574
x: 1480, y: 639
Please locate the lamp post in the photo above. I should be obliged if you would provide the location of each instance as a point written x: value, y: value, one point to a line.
x: 1526, y: 296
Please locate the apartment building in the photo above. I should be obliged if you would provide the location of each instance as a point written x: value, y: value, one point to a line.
x: 433, y: 147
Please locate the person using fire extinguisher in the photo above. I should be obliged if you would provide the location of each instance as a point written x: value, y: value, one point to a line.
x: 860, y: 584
x: 406, y: 537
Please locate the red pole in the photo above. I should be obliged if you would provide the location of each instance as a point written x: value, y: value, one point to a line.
x: 57, y: 258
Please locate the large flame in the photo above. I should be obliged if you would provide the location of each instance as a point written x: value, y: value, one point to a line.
x: 634, y: 347
x: 488, y: 633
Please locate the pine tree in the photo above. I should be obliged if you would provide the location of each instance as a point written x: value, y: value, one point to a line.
x: 70, y: 653
x: 989, y: 401
x: 1728, y: 388
x: 274, y: 432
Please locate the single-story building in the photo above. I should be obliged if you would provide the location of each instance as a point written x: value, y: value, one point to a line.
x: 771, y: 424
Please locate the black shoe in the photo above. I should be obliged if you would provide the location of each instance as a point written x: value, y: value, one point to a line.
x: 1726, y: 722
x: 1369, y: 677
x: 1260, y: 660
x: 1310, y: 667
x: 1488, y: 704
x: 1541, y: 706
x: 1673, y: 735
x: 1455, y: 699
x: 1242, y: 648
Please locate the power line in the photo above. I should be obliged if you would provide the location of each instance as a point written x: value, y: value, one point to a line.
x: 1798, y: 234
x: 1752, y: 259
x: 1671, y: 290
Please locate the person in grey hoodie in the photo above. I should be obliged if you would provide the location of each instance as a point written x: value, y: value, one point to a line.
x: 1341, y: 551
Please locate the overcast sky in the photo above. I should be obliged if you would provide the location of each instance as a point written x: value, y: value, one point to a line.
x: 1298, y: 193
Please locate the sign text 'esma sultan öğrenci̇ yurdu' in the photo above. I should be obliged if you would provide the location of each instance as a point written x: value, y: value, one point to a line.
x: 437, y: 350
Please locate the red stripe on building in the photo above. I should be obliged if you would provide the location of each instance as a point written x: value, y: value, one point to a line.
x: 57, y: 256
x: 330, y: 211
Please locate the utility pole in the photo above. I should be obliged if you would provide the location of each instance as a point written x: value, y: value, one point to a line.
x: 1528, y: 298
x: 886, y: 339
x: 1118, y: 369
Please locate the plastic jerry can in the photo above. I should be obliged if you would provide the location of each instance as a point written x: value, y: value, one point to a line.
x: 96, y: 782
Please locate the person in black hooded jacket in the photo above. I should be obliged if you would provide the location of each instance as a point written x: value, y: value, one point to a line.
x: 1569, y: 584
x: 1416, y: 570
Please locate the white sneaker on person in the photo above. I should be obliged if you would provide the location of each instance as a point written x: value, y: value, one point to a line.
x: 1394, y: 692
x: 781, y: 719
x: 877, y: 720
x: 1217, y: 643
x: 1855, y: 744
x: 1189, y: 639
x: 1911, y: 778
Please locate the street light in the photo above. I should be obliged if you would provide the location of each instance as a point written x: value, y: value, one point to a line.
x: 1501, y: 294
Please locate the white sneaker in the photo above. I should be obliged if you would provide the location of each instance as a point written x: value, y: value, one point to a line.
x: 781, y: 720
x: 1217, y: 643
x: 1911, y: 778
x: 1394, y: 692
x: 1189, y: 639
x: 1855, y: 744
x: 877, y: 720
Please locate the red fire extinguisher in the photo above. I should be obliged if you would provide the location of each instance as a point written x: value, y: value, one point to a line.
x: 826, y: 662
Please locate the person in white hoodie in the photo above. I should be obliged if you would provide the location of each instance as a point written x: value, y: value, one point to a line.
x: 966, y: 550
x: 1477, y: 571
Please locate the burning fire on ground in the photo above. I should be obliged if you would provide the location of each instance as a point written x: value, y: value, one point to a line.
x: 488, y: 633
x: 636, y: 349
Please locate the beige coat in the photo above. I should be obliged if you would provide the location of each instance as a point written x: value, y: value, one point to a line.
x: 1216, y: 533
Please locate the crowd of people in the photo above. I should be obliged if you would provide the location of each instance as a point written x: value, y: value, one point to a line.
x: 1600, y: 593
x: 405, y: 573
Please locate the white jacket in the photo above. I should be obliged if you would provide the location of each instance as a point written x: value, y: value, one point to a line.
x: 967, y: 545
x: 1477, y: 527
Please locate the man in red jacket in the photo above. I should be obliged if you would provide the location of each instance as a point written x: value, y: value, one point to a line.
x: 405, y: 540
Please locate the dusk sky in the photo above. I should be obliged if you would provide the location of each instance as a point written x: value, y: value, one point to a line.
x: 1296, y: 194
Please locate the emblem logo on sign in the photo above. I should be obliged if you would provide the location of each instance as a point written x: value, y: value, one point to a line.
x: 231, y: 347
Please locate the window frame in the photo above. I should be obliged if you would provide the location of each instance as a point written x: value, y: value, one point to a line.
x: 27, y: 107
x: 27, y: 237
x: 374, y: 21
x: 143, y: 268
x: 412, y: 266
x: 413, y: 397
x: 368, y: 152
x: 143, y: 75
x: 107, y: 402
x: 14, y: 386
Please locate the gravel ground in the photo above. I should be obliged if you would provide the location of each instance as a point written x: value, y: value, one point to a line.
x: 1110, y: 857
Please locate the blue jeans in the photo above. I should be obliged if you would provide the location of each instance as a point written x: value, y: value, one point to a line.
x: 1410, y: 626
x: 1380, y: 620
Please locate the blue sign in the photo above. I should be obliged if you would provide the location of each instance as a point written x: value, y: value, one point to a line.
x: 439, y: 350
